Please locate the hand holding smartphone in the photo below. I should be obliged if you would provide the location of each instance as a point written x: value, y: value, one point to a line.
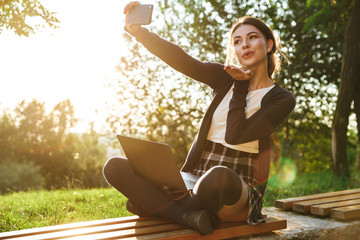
x: 137, y: 15
x: 140, y: 14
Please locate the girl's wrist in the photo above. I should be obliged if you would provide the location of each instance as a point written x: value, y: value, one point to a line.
x: 132, y: 30
x: 242, y: 84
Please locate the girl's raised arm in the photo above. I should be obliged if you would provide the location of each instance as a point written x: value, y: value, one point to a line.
x: 212, y: 74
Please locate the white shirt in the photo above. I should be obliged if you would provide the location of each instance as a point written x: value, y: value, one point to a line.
x: 218, y: 123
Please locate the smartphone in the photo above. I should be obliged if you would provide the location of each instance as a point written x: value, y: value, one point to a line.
x: 140, y: 14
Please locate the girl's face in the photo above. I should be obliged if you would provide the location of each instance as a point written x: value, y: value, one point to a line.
x: 251, y: 46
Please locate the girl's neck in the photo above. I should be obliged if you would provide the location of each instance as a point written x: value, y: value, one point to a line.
x: 260, y: 80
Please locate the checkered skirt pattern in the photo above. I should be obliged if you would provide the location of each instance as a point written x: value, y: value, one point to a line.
x: 244, y: 164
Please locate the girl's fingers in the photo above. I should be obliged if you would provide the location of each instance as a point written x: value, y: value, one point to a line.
x: 130, y: 28
x: 238, y: 73
x: 130, y: 5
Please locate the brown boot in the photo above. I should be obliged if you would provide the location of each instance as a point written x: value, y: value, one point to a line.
x: 137, y: 209
x: 199, y: 220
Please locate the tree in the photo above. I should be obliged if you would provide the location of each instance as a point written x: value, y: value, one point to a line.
x: 63, y: 115
x: 349, y: 92
x: 7, y: 137
x: 312, y: 76
x: 31, y: 138
x: 15, y: 14
x: 340, y: 18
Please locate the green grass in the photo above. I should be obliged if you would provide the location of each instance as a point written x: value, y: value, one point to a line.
x: 32, y: 209
x: 307, y: 184
x: 25, y: 210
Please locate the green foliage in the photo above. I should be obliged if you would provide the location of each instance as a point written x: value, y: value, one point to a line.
x: 332, y: 19
x: 310, y: 149
x: 45, y: 144
x: 353, y: 149
x: 329, y: 16
x: 90, y: 156
x: 15, y: 15
x: 19, y: 176
x: 7, y: 130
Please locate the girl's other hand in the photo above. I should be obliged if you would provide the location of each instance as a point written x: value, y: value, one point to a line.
x: 238, y: 73
x: 130, y: 28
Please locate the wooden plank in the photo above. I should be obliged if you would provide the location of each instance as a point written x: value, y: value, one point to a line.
x: 304, y: 206
x: 144, y: 232
x: 69, y: 226
x: 287, y: 204
x: 129, y: 233
x: 141, y: 228
x: 346, y: 213
x: 225, y: 232
x: 325, y: 209
x: 84, y: 232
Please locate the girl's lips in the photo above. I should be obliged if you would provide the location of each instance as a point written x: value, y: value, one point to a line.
x: 247, y: 54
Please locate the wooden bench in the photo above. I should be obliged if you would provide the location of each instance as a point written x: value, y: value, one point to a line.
x: 141, y: 228
x: 344, y: 205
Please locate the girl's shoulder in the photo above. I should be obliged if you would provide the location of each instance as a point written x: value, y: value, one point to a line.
x: 281, y: 94
x: 279, y: 91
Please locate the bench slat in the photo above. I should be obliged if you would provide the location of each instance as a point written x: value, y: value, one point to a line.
x: 325, y: 209
x: 141, y: 223
x: 304, y: 206
x: 69, y: 226
x: 134, y: 232
x: 226, y: 231
x: 140, y: 228
x: 346, y: 213
x: 287, y: 204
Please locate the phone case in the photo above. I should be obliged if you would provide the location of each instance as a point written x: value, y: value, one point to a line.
x: 140, y: 14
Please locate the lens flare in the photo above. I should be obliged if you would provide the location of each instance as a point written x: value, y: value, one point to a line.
x: 285, y: 174
x: 275, y: 154
x: 283, y: 170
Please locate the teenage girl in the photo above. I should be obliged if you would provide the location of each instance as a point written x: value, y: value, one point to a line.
x: 227, y: 167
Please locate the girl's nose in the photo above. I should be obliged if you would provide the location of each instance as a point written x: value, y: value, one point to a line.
x: 245, y: 44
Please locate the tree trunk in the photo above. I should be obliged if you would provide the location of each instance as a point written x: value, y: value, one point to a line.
x: 350, y: 75
x: 357, y: 112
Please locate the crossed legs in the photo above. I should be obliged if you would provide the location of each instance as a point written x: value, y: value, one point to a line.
x: 219, y: 187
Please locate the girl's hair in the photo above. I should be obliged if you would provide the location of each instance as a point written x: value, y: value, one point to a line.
x: 274, y: 64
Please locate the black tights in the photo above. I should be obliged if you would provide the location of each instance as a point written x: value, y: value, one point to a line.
x: 217, y: 187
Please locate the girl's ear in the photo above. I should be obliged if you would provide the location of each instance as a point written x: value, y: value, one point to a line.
x: 270, y: 45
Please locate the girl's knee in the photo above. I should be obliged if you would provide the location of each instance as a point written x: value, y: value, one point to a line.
x: 113, y: 166
x: 218, y: 170
x: 217, y: 179
x: 223, y: 174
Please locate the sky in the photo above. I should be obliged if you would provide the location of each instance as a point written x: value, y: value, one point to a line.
x: 73, y: 62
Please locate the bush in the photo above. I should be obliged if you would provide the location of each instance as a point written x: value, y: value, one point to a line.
x: 19, y: 176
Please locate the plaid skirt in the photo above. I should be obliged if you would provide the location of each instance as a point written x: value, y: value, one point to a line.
x: 244, y: 164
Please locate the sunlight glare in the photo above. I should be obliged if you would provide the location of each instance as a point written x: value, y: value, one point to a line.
x: 72, y: 62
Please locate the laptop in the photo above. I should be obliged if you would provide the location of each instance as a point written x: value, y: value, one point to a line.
x: 153, y: 161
